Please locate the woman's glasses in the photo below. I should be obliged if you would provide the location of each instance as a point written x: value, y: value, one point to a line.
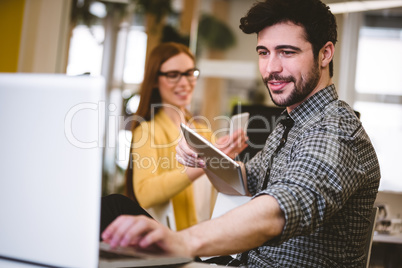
x: 175, y: 76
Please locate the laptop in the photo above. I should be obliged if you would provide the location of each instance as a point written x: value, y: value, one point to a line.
x: 223, y: 172
x: 51, y: 151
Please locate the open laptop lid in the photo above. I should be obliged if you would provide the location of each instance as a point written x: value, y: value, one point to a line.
x: 223, y: 172
x: 51, y: 163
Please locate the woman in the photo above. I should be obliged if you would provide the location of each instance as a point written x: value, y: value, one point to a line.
x: 154, y: 177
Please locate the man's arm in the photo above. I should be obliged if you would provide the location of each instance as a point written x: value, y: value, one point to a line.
x: 241, y: 229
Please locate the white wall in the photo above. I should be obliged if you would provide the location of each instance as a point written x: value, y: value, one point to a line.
x: 44, y: 36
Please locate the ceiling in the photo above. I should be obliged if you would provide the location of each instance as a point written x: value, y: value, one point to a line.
x: 394, y: 11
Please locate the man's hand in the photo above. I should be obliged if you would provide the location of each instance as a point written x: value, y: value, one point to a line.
x: 145, y: 233
x: 245, y: 227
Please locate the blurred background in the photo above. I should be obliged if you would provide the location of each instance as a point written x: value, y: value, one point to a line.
x: 112, y: 38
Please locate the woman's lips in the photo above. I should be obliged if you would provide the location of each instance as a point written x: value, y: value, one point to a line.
x: 182, y: 95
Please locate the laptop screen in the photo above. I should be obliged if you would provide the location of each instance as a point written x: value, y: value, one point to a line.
x: 51, y: 144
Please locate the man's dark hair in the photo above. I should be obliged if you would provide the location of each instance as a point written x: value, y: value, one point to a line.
x: 313, y: 15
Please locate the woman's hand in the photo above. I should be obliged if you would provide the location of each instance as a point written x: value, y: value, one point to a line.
x: 187, y: 157
x: 233, y: 144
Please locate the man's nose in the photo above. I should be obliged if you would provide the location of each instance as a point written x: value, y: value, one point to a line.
x: 274, y: 65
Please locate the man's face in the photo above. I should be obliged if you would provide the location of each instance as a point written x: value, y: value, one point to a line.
x: 287, y: 64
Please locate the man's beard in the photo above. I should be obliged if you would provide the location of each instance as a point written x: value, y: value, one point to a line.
x: 299, y: 92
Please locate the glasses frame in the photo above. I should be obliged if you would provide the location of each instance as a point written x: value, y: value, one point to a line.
x: 191, y: 74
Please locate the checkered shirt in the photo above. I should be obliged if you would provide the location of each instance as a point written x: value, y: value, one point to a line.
x: 325, y: 180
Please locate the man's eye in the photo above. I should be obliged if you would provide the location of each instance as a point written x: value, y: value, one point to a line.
x: 288, y: 53
x: 262, y: 53
x: 172, y: 74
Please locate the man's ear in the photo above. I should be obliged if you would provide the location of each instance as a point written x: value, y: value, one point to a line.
x: 327, y: 53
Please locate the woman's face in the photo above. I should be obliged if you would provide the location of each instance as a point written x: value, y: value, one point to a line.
x: 177, y: 93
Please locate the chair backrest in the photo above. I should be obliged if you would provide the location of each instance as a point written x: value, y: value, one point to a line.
x: 370, y: 234
x: 225, y: 202
x: 164, y: 214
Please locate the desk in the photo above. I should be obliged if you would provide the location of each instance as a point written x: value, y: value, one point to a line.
x: 386, y: 250
x: 198, y: 265
x: 388, y: 238
x: 13, y: 264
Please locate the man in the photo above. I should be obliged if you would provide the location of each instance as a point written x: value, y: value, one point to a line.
x: 315, y: 181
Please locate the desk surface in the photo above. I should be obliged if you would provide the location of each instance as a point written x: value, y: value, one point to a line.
x: 13, y: 264
x: 388, y: 238
x: 198, y: 265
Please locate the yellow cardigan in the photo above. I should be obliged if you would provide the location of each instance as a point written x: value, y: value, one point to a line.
x: 157, y: 176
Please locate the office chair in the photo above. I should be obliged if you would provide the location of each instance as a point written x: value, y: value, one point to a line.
x: 370, y: 235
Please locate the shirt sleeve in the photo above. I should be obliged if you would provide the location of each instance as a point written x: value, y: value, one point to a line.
x: 322, y: 172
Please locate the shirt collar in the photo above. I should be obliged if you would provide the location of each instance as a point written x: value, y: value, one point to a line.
x: 314, y: 105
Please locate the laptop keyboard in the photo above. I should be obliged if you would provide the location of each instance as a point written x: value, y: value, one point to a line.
x: 113, y: 255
